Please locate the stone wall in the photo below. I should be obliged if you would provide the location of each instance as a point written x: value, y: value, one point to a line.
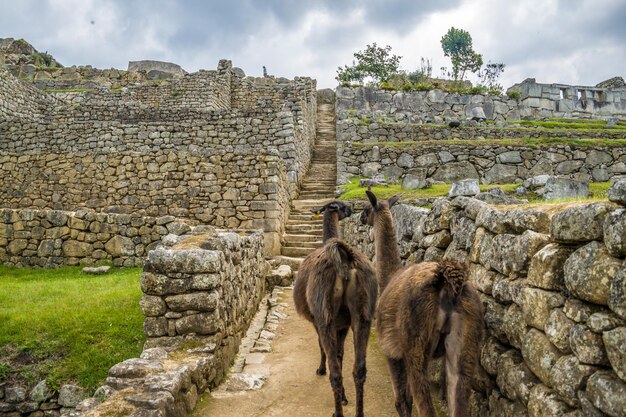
x: 189, y: 147
x: 50, y: 238
x: 20, y: 100
x: 536, y: 101
x: 552, y: 285
x: 373, y: 124
x: 560, y: 100
x: 199, y: 298
x: 447, y: 162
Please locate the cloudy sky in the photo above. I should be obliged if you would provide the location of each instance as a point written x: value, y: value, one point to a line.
x: 569, y: 41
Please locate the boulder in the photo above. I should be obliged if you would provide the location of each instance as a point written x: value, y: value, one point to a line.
x: 455, y: 171
x: 615, y: 233
x: 615, y: 343
x: 120, y: 246
x: 588, y: 346
x: 570, y: 376
x: 546, y: 267
x: 544, y: 402
x: 589, y: 272
x: 581, y: 223
x: 540, y: 355
x: 96, y: 270
x: 478, y: 114
x: 76, y: 249
x: 558, y: 188
x: 501, y: 174
x: 537, y: 181
x: 468, y: 187
x: 414, y: 181
x: 71, y: 395
x: 607, y: 393
x: 617, y: 192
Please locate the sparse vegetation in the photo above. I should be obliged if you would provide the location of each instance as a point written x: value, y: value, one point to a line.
x: 67, y: 326
x: 67, y: 90
x: 514, y: 94
x: 530, y: 142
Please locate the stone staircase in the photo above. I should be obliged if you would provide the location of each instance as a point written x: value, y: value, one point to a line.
x: 303, y: 234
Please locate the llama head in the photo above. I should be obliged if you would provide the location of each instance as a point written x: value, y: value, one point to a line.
x: 342, y: 209
x: 375, y: 207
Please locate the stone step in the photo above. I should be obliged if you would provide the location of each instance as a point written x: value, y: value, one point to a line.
x: 303, y: 227
x: 296, y: 252
x: 304, y: 217
x: 301, y: 238
x: 313, y: 224
x: 315, y: 244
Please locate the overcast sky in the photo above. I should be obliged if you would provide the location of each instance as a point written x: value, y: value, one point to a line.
x: 578, y: 42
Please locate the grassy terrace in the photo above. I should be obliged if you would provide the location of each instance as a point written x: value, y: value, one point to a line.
x: 66, y: 326
x: 528, y: 142
x: 354, y: 192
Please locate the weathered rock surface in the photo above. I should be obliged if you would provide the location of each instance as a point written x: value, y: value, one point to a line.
x: 582, y: 223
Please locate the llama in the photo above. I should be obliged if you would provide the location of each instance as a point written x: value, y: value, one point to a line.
x: 425, y: 310
x: 335, y: 289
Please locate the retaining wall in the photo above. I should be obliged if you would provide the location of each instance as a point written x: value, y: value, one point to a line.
x: 552, y: 285
x: 50, y: 238
x: 199, y: 298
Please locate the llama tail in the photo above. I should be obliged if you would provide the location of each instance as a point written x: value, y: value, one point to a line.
x: 451, y: 277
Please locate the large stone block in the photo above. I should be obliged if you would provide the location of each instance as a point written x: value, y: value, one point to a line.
x: 73, y: 248
x: 617, y: 292
x: 589, y: 272
x: 569, y: 376
x: 615, y: 233
x: 607, y: 392
x: 201, y: 323
x: 617, y: 192
x: 558, y: 328
x: 544, y: 402
x: 152, y: 305
x: 514, y: 378
x: 514, y: 325
x: 579, y: 223
x: 186, y: 261
x: 558, y: 188
x: 501, y: 174
x: 455, y: 171
x: 615, y: 344
x: 537, y: 305
x: 546, y: 267
x: 481, y: 277
x: 513, y: 253
x: 588, y: 346
x: 196, y: 301
x: 540, y: 355
x: 120, y: 246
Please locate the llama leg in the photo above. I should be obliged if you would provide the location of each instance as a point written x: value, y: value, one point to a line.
x: 321, y: 370
x: 327, y: 337
x: 404, y: 402
x: 417, y: 366
x: 460, y: 365
x: 341, y: 339
x: 361, y: 333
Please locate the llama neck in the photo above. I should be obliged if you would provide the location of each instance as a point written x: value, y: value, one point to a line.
x: 331, y: 225
x: 387, y: 253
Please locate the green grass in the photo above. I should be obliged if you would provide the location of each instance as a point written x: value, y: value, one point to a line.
x: 553, y: 124
x: 354, y: 192
x: 67, y: 326
x: 67, y: 90
x: 528, y: 142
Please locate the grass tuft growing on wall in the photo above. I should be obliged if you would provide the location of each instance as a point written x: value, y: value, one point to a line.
x: 67, y: 326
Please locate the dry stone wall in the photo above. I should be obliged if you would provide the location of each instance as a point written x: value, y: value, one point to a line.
x: 20, y: 100
x: 50, y: 238
x: 190, y: 147
x: 552, y: 285
x: 199, y: 298
x: 498, y: 164
x: 374, y: 126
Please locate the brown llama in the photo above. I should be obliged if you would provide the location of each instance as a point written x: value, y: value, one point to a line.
x: 335, y: 289
x: 425, y: 310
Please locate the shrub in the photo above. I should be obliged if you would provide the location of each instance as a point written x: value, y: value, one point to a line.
x: 514, y: 94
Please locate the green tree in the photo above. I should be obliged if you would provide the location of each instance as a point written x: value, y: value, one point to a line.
x: 457, y: 44
x: 375, y: 62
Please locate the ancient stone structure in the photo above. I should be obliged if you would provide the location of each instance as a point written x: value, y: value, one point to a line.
x: 50, y: 238
x: 213, y: 147
x: 553, y: 290
x: 559, y: 100
x: 396, y: 134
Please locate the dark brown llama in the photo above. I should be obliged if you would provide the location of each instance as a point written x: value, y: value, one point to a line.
x: 335, y: 289
x: 425, y: 310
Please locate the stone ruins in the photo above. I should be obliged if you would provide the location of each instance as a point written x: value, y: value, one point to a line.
x: 205, y: 178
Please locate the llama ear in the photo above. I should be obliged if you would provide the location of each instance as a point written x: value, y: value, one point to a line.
x: 393, y: 200
x: 372, y: 198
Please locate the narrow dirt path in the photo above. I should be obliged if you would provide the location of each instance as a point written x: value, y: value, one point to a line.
x: 293, y: 389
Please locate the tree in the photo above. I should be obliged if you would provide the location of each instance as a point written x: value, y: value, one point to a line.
x: 457, y: 44
x: 375, y: 62
x: 490, y: 74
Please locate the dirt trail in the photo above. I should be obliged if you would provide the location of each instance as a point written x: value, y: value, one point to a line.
x: 293, y: 389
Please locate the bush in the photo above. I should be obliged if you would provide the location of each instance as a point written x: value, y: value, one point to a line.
x: 514, y: 94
